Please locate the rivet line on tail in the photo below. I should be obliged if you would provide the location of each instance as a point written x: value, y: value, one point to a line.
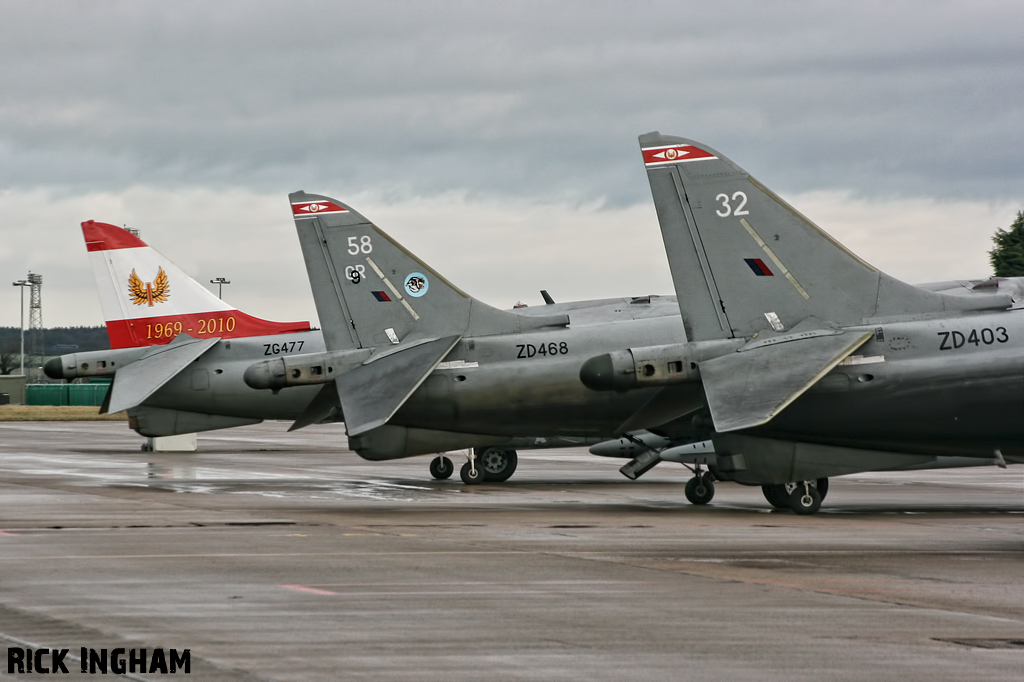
x: 391, y: 286
x: 775, y: 259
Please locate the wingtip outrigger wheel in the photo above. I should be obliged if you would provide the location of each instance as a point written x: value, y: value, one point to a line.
x: 471, y: 474
x: 441, y: 468
x: 805, y: 498
x: 701, y: 488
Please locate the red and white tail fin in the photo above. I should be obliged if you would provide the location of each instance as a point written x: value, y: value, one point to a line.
x: 147, y: 300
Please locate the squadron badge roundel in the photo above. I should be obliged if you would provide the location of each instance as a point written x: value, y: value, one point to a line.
x: 416, y: 284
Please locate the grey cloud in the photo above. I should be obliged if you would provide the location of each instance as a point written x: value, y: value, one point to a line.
x: 527, y: 99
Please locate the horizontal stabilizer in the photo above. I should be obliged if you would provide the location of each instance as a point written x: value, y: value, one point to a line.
x: 747, y: 389
x: 134, y: 383
x: 370, y: 395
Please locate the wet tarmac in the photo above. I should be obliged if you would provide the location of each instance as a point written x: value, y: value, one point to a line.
x: 286, y: 557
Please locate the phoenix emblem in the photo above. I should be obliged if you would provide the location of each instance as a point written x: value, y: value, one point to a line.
x: 156, y: 291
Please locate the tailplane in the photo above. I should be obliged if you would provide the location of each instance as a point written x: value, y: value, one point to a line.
x: 147, y: 300
x: 743, y: 260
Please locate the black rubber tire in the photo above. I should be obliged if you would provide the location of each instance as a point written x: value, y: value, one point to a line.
x: 498, y: 463
x: 441, y: 468
x: 822, y: 487
x: 777, y: 496
x: 805, y: 500
x: 468, y: 476
x: 699, y: 490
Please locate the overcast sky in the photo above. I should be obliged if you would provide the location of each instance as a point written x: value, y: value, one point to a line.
x: 495, y: 140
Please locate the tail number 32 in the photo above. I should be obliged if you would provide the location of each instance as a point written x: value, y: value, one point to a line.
x: 739, y: 198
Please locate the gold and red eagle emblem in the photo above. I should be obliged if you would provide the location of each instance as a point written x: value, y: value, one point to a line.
x: 156, y: 291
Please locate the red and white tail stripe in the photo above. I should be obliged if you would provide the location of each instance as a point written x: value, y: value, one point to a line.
x: 309, y: 209
x: 674, y: 153
x: 147, y: 300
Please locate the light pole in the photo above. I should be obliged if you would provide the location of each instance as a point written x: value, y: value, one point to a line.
x: 22, y: 283
x: 220, y: 282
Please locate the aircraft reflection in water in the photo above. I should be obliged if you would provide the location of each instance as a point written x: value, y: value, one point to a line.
x: 796, y: 359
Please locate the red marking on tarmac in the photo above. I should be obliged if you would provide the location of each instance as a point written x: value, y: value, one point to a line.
x: 303, y: 588
x: 3, y: 532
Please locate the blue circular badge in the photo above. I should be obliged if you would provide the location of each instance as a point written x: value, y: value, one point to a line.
x: 416, y: 284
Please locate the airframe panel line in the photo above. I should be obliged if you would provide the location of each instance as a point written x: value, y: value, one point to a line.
x: 391, y: 286
x: 702, y: 256
x: 775, y: 259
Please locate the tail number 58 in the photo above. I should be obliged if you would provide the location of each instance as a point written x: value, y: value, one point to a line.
x: 359, y: 245
x: 727, y: 209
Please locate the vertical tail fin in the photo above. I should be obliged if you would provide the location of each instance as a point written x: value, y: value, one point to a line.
x: 147, y: 300
x: 370, y: 291
x: 743, y: 260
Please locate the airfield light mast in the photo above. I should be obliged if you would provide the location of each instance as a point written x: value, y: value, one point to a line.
x: 22, y: 283
x: 220, y: 282
x: 35, y: 314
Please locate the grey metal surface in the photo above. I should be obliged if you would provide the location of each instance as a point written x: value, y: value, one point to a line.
x: 747, y: 389
x: 388, y: 294
x: 371, y: 394
x: 941, y: 369
x: 136, y: 382
x: 719, y: 224
x: 280, y: 556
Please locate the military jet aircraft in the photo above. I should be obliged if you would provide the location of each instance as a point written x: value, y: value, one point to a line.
x: 177, y: 351
x: 179, y: 355
x: 418, y: 366
x: 812, y: 362
x: 183, y: 357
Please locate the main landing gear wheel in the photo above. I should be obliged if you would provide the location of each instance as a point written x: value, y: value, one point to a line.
x: 471, y: 473
x: 498, y: 464
x: 777, y: 496
x: 441, y: 468
x: 805, y: 498
x: 700, y: 489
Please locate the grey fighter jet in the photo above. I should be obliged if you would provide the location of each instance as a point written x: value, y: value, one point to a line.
x: 418, y: 366
x: 189, y: 362
x: 180, y: 354
x: 812, y: 362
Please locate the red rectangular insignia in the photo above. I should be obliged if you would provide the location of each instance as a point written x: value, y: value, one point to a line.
x: 676, y: 153
x: 308, y: 209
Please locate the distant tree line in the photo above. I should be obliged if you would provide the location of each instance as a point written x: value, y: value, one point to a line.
x: 1008, y: 256
x: 56, y: 341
